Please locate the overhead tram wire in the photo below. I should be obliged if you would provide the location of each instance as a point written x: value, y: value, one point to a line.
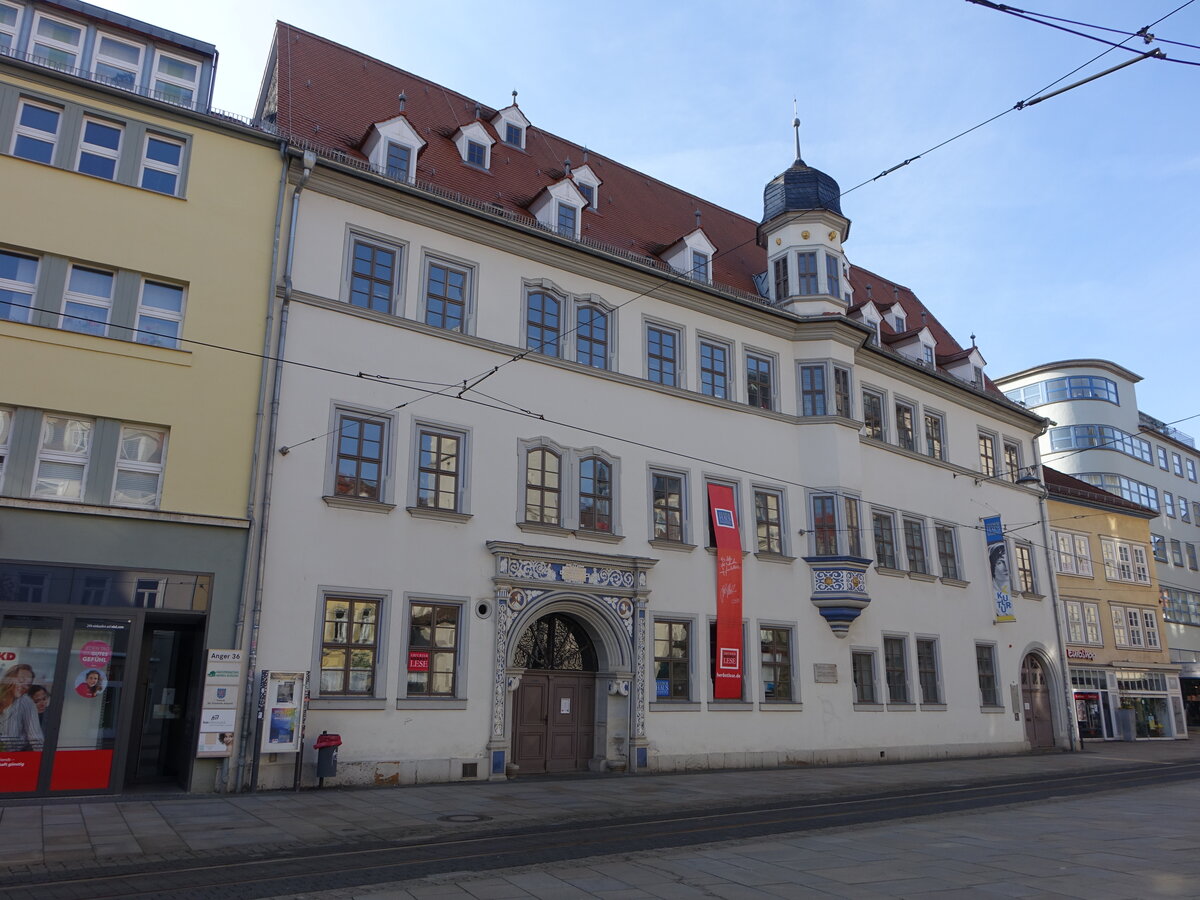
x: 1000, y: 7
x: 1143, y: 33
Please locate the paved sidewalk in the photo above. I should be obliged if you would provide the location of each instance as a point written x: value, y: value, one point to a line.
x: 66, y: 834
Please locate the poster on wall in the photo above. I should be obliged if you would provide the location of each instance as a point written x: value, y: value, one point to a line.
x: 283, y: 711
x: 998, y: 563
x: 218, y: 717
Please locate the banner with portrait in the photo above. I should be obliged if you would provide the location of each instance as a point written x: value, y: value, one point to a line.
x: 998, y: 565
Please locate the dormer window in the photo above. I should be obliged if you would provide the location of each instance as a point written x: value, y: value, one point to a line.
x: 118, y: 62
x: 977, y: 376
x: 10, y: 18
x: 699, y: 266
x: 898, y: 322
x: 514, y: 135
x: 568, y: 220
x: 175, y: 79
x: 477, y: 154
x: 927, y: 352
x: 399, y: 161
x: 55, y: 42
x: 510, y: 124
x: 589, y: 193
x: 587, y: 184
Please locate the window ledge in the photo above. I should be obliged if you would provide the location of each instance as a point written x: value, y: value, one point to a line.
x: 543, y: 528
x: 360, y: 504
x: 712, y: 551
x: 604, y: 537
x: 677, y: 546
x: 729, y: 705
x: 891, y: 573
x: 776, y: 558
x: 955, y: 582
x: 869, y: 707
x: 673, y: 705
x: 992, y: 710
x: 347, y: 703
x: 446, y: 515
x: 1030, y: 595
x: 922, y: 576
x: 934, y: 707
x: 431, y: 703
x: 902, y: 707
x: 781, y: 705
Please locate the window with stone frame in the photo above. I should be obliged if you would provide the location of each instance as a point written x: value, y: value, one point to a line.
x: 433, y: 645
x: 775, y: 663
x: 672, y: 659
x: 349, y: 645
x: 543, y: 487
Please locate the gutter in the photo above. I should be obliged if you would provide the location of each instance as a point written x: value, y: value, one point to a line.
x: 249, y: 725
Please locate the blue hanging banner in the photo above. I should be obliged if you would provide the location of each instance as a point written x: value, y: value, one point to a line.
x: 998, y: 563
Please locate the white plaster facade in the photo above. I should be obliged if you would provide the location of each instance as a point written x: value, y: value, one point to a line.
x: 501, y: 573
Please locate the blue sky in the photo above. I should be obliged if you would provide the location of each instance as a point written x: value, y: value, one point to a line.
x: 1059, y: 231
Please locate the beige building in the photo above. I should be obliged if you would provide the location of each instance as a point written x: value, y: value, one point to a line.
x: 1123, y: 681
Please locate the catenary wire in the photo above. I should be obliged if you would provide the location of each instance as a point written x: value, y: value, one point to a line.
x: 1143, y: 33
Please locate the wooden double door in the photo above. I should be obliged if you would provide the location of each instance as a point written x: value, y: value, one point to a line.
x: 555, y: 721
x: 1035, y: 697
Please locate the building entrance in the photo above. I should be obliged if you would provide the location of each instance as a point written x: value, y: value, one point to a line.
x: 1035, y: 698
x: 163, y: 739
x: 555, y: 704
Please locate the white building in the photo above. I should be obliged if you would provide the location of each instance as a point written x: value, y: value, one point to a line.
x: 1101, y: 437
x: 515, y: 367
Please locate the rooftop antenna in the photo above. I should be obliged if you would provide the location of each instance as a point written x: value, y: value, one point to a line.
x: 403, y: 98
x: 796, y: 128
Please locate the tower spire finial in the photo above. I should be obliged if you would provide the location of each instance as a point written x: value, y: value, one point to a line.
x: 796, y: 127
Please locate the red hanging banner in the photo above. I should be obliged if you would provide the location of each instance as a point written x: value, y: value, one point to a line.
x: 728, y: 681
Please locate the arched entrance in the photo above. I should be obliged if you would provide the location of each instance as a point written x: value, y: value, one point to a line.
x: 1035, y: 699
x: 554, y: 713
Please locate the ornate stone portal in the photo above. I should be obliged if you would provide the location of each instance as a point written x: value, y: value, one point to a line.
x: 607, y: 594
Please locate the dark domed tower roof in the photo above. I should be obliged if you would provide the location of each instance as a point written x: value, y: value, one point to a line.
x: 799, y: 189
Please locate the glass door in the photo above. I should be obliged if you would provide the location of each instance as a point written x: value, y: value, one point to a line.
x: 162, y: 749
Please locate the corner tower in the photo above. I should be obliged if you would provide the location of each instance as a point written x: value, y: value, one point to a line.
x: 803, y: 230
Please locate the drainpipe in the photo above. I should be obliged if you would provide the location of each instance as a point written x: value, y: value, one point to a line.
x: 248, y: 581
x: 249, y: 728
x: 1068, y: 691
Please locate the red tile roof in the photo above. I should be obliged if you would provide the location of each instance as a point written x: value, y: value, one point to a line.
x: 331, y: 95
x: 1064, y: 487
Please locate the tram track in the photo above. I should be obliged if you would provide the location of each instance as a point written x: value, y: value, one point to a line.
x: 313, y: 869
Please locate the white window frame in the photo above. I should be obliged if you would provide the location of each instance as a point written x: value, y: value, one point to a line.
x: 96, y: 149
x: 1191, y: 469
x: 146, y: 468
x: 35, y: 134
x: 135, y: 69
x: 156, y: 312
x: 1125, y: 560
x: 158, y: 77
x: 1162, y: 458
x: 53, y: 43
x: 1176, y: 463
x: 1072, y: 554
x: 26, y: 288
x: 156, y: 165
x: 92, y: 301
x: 80, y: 458
x: 15, y: 29
x: 576, y: 216
x: 1083, y: 623
x: 408, y: 175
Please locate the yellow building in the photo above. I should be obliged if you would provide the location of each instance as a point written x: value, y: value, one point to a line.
x: 1123, y: 681
x: 135, y: 266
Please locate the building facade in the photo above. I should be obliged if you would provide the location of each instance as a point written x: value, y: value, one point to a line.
x: 135, y: 259
x: 1123, y: 682
x: 1101, y: 437
x: 528, y: 386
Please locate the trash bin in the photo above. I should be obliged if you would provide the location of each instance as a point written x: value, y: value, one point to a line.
x: 326, y: 746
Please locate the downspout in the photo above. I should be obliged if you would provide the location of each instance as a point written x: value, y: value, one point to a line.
x: 248, y: 570
x: 248, y: 731
x: 1068, y: 691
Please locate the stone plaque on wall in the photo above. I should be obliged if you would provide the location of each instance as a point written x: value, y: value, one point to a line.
x: 825, y: 673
